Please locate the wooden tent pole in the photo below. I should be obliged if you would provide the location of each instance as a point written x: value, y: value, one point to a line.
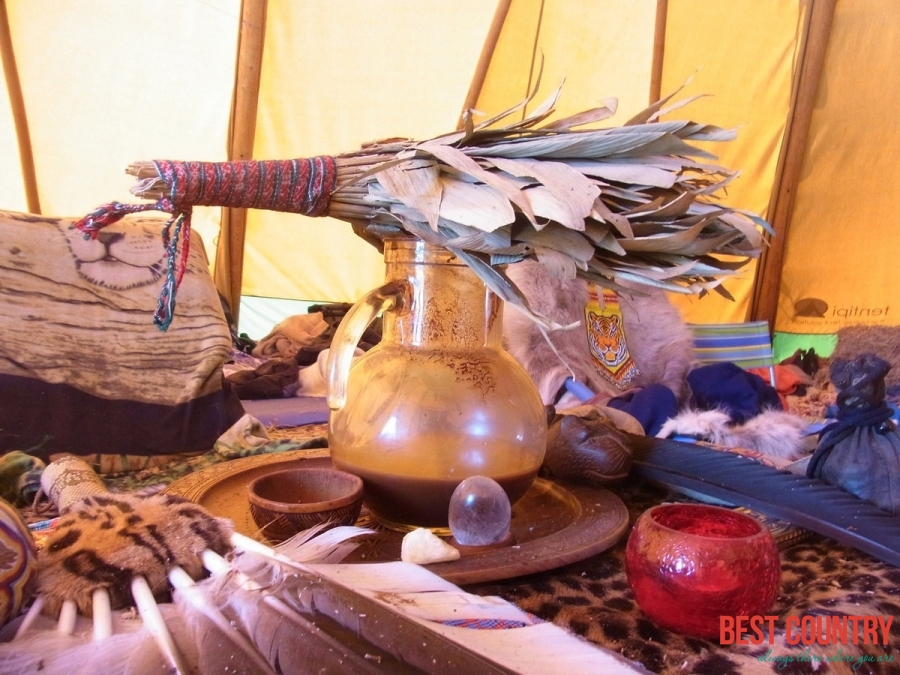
x: 229, y: 268
x: 484, y: 60
x: 20, y: 118
x: 820, y: 14
x: 659, y: 50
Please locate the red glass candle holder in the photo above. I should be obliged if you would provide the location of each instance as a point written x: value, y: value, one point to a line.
x: 689, y: 564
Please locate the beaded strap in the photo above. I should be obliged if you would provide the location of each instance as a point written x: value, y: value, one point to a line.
x: 293, y: 186
x: 70, y: 479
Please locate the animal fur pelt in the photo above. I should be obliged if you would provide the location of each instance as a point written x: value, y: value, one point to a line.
x: 660, y: 343
x: 104, y: 540
x: 776, y: 434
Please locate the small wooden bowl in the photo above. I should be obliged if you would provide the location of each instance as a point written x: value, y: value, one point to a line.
x: 286, y: 502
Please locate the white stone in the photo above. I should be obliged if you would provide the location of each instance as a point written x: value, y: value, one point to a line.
x: 423, y: 547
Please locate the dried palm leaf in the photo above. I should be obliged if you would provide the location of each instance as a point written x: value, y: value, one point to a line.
x: 631, y: 203
x: 587, y: 181
x: 582, y: 181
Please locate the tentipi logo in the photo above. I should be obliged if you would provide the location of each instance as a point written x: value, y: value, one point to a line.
x: 811, y: 307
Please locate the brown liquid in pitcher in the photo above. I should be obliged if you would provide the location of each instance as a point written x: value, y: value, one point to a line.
x: 422, y: 502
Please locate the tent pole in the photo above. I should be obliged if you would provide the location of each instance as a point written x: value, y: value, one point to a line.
x: 484, y: 60
x: 820, y: 13
x: 534, y: 49
x: 20, y: 118
x: 229, y: 268
x: 659, y: 50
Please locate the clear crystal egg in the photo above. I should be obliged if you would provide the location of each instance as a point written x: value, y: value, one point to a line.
x: 479, y: 512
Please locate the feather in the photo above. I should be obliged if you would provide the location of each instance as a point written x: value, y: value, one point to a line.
x: 131, y: 649
x: 425, y: 609
x: 237, y: 631
x: 237, y: 628
x: 314, y: 545
x: 212, y: 633
x: 263, y: 611
x: 287, y: 640
x: 344, y: 623
x: 390, y: 617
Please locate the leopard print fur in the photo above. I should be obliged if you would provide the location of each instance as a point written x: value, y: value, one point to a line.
x: 592, y: 599
x: 104, y: 540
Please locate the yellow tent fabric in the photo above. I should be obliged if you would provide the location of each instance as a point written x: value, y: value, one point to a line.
x: 97, y: 84
x: 336, y: 75
x: 840, y: 266
x: 614, y: 57
x: 107, y: 83
x: 746, y: 70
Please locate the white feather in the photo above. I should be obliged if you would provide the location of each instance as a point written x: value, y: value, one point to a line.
x: 212, y: 631
x: 302, y: 616
x: 314, y: 545
x: 43, y: 650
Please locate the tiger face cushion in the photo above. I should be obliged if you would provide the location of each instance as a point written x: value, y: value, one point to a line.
x: 83, y: 368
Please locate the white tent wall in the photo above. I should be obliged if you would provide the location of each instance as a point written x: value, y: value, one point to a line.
x: 807, y: 83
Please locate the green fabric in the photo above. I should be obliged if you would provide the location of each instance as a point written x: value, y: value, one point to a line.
x: 168, y: 473
x: 20, y: 473
x: 785, y: 344
x: 20, y: 477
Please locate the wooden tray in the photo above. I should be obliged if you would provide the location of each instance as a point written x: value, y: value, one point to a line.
x: 553, y: 524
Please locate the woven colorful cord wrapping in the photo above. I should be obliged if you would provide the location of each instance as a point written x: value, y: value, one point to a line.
x: 491, y: 624
x: 293, y: 186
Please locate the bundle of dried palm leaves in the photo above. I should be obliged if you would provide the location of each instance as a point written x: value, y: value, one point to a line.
x: 636, y: 202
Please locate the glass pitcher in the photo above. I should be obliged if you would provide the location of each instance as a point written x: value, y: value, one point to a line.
x: 438, y: 399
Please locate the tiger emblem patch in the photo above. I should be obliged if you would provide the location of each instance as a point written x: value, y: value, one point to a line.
x: 606, y: 339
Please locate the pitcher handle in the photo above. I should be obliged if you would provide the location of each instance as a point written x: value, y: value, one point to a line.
x: 348, y: 335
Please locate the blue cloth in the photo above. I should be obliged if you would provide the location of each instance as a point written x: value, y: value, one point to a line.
x: 728, y: 387
x: 651, y: 406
